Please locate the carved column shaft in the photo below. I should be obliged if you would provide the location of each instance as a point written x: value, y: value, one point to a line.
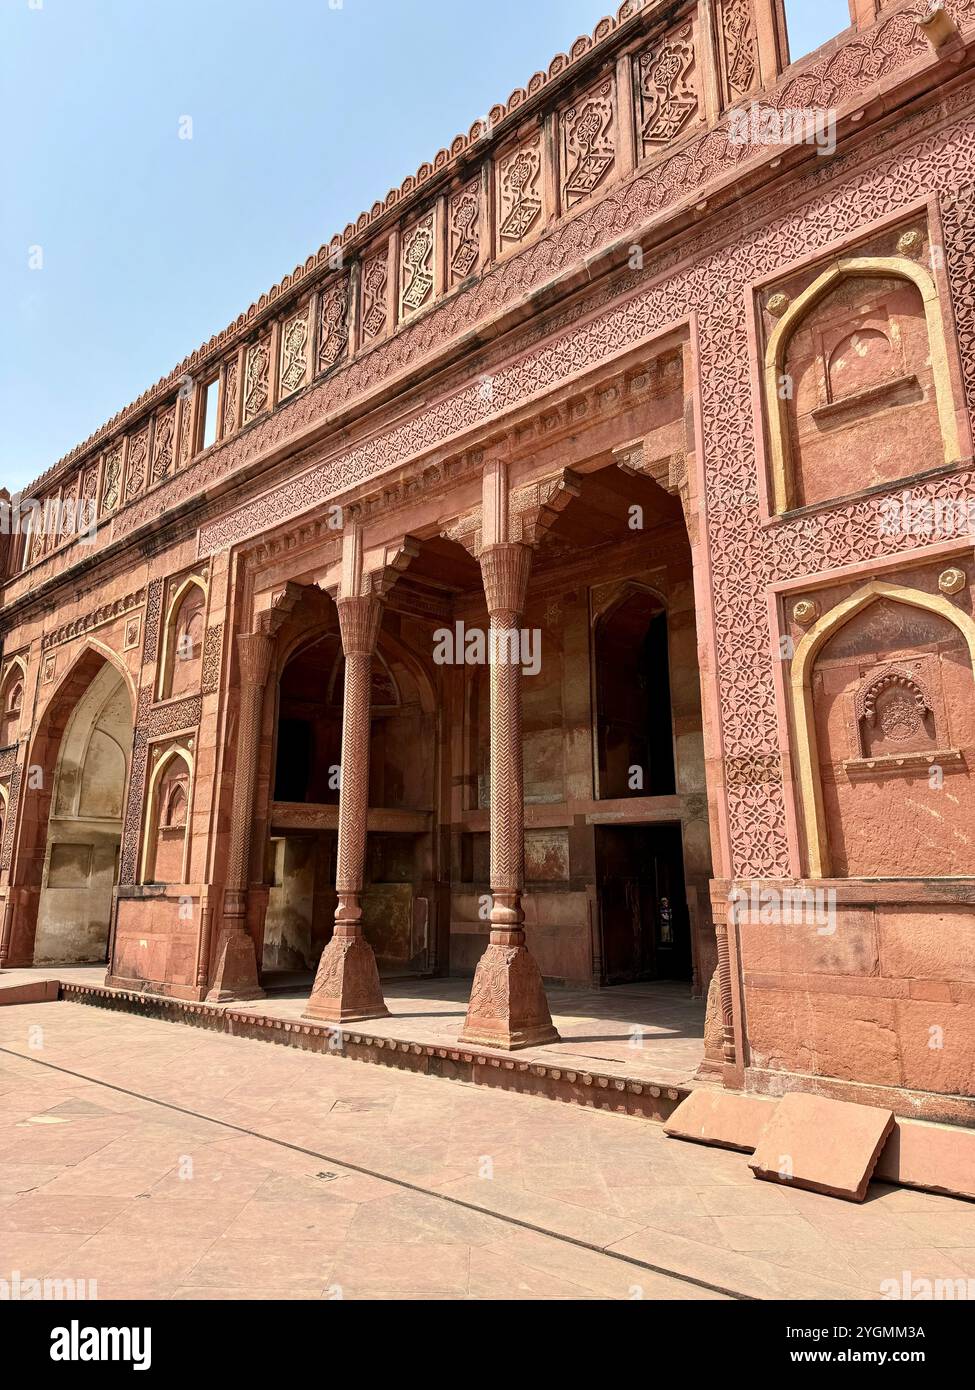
x: 507, y: 1007
x: 724, y: 988
x: 505, y: 570
x: 254, y: 652
x: 236, y: 975
x: 359, y: 620
x: 347, y: 981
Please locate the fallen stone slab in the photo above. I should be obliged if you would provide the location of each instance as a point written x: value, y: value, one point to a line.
x: 937, y: 1158
x: 724, y: 1119
x: 829, y: 1146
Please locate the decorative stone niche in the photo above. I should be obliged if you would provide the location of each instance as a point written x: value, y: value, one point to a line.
x: 418, y: 266
x: 885, y: 722
x: 667, y: 93
x: 182, y: 655
x: 858, y: 391
x: 166, y: 852
x: 11, y: 705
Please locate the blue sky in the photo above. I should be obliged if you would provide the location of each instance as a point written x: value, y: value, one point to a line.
x: 304, y: 112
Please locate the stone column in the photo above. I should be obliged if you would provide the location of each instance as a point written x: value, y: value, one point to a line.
x: 347, y: 983
x: 507, y: 1007
x: 235, y: 976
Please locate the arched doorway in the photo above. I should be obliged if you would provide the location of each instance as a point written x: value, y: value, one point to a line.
x: 639, y: 867
x: 302, y: 843
x: 71, y: 829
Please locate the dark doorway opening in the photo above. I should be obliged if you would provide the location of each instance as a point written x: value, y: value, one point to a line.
x: 635, y: 745
x: 642, y: 903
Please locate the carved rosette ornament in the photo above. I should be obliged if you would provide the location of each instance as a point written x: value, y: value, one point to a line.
x: 235, y: 975
x: 507, y: 1007
x: 952, y: 581
x: 347, y: 981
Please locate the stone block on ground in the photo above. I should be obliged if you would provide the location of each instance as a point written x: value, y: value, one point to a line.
x: 725, y: 1119
x: 829, y: 1146
x: 937, y: 1158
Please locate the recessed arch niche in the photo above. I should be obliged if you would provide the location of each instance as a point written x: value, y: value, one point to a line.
x: 856, y: 382
x: 883, y: 706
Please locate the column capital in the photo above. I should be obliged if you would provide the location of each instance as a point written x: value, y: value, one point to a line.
x: 359, y: 621
x: 254, y: 654
x: 505, y: 570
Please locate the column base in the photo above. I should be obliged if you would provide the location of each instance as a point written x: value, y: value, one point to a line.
x: 508, y: 1008
x: 235, y: 976
x: 347, y: 986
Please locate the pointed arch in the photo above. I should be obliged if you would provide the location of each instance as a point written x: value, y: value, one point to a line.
x: 156, y: 801
x: 66, y: 843
x: 84, y: 666
x: 896, y: 267
x: 804, y: 724
x: 183, y: 592
x: 13, y: 687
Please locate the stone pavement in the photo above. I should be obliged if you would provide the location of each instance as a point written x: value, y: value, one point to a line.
x: 653, y: 1032
x: 196, y: 1165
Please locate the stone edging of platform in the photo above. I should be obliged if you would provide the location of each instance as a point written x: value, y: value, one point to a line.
x: 596, y: 1090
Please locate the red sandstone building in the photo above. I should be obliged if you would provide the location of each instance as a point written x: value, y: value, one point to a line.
x: 686, y: 407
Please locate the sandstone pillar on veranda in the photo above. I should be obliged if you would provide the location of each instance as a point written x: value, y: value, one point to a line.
x: 235, y: 975
x: 507, y: 1007
x: 347, y: 983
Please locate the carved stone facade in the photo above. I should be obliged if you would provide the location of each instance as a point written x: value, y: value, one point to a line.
x: 602, y: 392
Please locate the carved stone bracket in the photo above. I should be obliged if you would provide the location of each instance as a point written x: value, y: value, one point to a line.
x: 522, y: 514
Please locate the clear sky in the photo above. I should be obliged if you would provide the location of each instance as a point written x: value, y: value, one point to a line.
x: 123, y: 246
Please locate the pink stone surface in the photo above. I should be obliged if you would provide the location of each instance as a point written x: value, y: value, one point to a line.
x: 828, y: 1146
x: 722, y: 1118
x: 937, y: 1158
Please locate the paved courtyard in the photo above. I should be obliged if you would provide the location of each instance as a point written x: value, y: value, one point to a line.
x: 164, y: 1162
